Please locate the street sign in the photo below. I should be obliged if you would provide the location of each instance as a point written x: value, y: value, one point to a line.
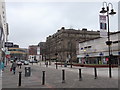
x: 101, y: 54
x: 7, y: 52
x: 7, y: 56
x: 8, y: 44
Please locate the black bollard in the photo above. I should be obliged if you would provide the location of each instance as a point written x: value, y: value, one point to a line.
x: 95, y: 72
x: 19, y: 79
x: 80, y: 76
x: 43, y: 78
x: 56, y: 66
x: 63, y: 76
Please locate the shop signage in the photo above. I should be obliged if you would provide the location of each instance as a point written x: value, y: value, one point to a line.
x: 8, y: 44
x: 7, y: 52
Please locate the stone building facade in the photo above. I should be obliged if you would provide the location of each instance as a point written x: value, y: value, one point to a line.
x: 64, y: 43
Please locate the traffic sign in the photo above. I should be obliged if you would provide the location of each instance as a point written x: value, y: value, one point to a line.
x: 8, y: 44
x: 7, y: 52
x: 7, y: 56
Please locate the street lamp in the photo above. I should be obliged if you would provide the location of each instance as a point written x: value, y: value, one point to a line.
x: 101, y: 54
x: 87, y: 55
x: 108, y: 42
x: 84, y: 56
x: 56, y: 59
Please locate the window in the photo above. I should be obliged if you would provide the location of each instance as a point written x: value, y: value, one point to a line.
x: 89, y: 46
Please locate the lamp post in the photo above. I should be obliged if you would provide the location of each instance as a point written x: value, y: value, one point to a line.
x: 108, y: 42
x: 101, y: 54
x: 56, y: 59
x: 49, y: 55
x: 87, y: 55
x: 56, y: 54
x: 84, y: 56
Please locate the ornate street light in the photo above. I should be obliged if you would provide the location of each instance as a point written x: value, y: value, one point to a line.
x: 109, y: 43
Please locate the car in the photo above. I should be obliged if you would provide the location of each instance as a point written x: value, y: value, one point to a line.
x: 26, y: 62
x: 22, y: 61
x: 31, y: 61
x: 11, y: 60
x: 35, y: 61
x: 19, y: 63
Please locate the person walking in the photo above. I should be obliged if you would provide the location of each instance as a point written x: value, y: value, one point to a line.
x: 14, y: 65
x: 2, y: 66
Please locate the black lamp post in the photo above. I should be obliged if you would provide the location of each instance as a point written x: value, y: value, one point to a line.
x: 101, y: 54
x: 87, y: 55
x: 56, y: 59
x: 108, y: 42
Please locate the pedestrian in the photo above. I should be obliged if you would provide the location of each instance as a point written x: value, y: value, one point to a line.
x: 14, y: 65
x: 1, y: 66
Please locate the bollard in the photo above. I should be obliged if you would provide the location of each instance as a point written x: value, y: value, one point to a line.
x: 19, y: 79
x: 63, y: 76
x: 95, y: 72
x: 43, y: 78
x: 80, y: 76
x: 56, y: 66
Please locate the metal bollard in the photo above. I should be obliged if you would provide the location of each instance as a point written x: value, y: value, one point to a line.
x: 43, y: 78
x: 63, y: 76
x: 19, y: 79
x: 80, y: 76
x: 56, y: 66
x: 95, y: 70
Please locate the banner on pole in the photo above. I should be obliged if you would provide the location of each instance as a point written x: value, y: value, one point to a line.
x: 103, y: 26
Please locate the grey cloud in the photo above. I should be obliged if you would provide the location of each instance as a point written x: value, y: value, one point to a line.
x: 31, y: 23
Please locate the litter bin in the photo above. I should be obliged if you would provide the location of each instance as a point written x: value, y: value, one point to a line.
x: 27, y: 71
x: 65, y: 64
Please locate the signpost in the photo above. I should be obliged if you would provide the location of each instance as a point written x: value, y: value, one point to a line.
x: 7, y: 56
x: 8, y: 44
x: 7, y: 52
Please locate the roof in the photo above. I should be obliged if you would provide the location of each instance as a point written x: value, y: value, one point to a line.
x: 112, y: 33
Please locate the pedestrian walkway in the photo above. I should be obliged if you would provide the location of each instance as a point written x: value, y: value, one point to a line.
x: 54, y: 78
x: 102, y: 72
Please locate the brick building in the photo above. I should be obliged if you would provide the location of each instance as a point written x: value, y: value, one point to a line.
x: 33, y: 52
x: 64, y: 43
x: 42, y: 46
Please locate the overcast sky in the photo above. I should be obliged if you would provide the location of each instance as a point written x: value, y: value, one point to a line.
x: 31, y: 22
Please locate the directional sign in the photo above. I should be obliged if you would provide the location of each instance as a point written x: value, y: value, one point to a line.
x: 7, y: 52
x: 8, y: 44
x: 7, y: 56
